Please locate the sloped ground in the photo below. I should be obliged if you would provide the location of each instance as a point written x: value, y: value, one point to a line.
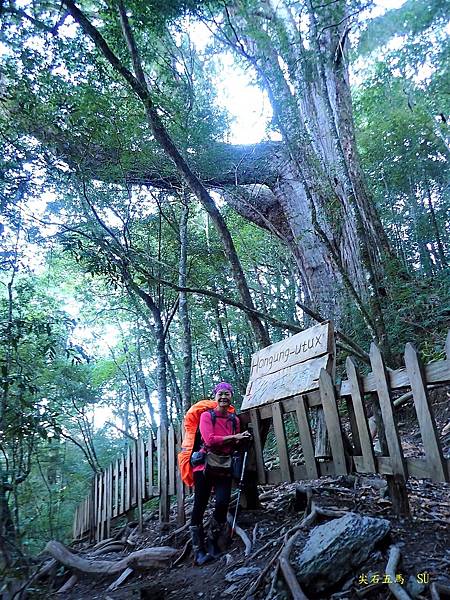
x: 423, y: 540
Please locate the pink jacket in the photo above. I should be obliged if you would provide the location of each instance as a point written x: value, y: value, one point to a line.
x: 213, y: 435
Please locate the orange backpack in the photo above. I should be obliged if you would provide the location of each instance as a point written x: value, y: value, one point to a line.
x: 190, y: 425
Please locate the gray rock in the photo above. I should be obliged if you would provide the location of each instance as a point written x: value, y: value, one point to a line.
x: 336, y: 548
x: 230, y: 591
x: 413, y: 587
x: 242, y: 572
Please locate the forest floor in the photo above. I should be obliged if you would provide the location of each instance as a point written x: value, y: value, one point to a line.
x: 423, y: 540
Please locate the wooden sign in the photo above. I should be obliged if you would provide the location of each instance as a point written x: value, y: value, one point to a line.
x: 289, y: 367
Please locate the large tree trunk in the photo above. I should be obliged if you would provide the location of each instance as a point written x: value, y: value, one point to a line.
x: 337, y: 235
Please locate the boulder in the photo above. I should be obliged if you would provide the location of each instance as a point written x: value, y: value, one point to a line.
x: 337, y: 548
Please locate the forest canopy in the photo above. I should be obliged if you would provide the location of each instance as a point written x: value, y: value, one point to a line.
x: 145, y: 256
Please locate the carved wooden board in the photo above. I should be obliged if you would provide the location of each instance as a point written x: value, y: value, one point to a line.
x: 284, y: 383
x: 294, y: 350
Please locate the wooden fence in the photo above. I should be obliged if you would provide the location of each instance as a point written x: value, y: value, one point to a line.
x: 353, y: 451
x: 146, y: 471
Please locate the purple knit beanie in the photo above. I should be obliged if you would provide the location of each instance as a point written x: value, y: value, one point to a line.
x: 223, y: 386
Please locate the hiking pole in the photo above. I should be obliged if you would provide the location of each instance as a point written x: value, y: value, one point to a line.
x: 241, y: 480
x: 240, y: 484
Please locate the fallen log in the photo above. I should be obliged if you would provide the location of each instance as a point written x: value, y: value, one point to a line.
x: 141, y: 559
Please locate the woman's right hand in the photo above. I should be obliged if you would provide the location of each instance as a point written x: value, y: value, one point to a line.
x: 245, y: 435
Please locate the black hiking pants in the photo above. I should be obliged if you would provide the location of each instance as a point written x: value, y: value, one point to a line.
x: 203, y: 485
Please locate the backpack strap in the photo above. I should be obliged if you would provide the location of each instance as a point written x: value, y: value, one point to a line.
x: 233, y: 422
x: 231, y: 417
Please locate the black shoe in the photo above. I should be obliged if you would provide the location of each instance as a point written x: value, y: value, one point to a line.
x: 201, y: 557
x: 217, y: 538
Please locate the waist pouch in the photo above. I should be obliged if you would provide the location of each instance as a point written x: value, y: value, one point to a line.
x: 218, y: 465
x: 198, y: 458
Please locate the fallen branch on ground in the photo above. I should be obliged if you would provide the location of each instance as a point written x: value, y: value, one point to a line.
x: 186, y: 547
x: 141, y: 559
x: 306, y: 521
x: 41, y: 571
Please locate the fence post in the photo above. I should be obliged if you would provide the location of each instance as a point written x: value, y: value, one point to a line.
x: 150, y: 465
x: 306, y: 439
x: 280, y: 435
x: 140, y: 478
x: 396, y: 482
x: 433, y: 452
x: 365, y: 439
x: 333, y: 422
x: 387, y: 411
x: 128, y: 481
x: 256, y: 422
x: 181, y: 513
x: 171, y: 460
x: 162, y: 475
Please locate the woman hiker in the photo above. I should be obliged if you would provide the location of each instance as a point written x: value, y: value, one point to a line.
x: 220, y: 432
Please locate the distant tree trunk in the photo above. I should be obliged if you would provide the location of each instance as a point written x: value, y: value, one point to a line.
x: 419, y: 219
x: 54, y: 459
x: 228, y: 351
x: 186, y: 338
x: 202, y: 379
x: 396, y: 220
x: 8, y: 532
x: 161, y: 366
x: 126, y: 417
x: 437, y: 235
x: 176, y: 395
x: 144, y: 387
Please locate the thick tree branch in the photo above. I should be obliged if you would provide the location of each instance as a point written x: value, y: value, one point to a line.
x: 139, y: 85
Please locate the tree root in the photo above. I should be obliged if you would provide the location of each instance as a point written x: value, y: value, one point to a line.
x: 288, y: 571
x: 122, y: 577
x: 241, y: 533
x: 141, y: 559
x: 111, y: 547
x: 395, y: 588
x: 68, y: 585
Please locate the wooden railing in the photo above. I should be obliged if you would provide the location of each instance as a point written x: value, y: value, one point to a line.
x: 147, y: 471
x: 355, y: 393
